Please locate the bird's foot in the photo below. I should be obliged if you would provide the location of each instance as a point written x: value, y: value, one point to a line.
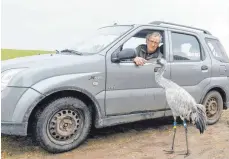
x: 169, y: 151
x: 187, y: 154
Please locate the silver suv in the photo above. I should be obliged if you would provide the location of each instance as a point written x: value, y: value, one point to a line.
x: 58, y: 97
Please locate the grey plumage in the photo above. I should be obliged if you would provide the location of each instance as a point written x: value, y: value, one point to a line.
x: 182, y: 104
x: 180, y: 101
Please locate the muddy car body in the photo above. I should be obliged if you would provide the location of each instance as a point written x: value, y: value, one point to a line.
x: 58, y: 97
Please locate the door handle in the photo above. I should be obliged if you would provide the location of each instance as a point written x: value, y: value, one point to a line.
x: 204, y: 67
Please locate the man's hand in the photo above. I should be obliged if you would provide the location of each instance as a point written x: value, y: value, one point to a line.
x: 139, y: 61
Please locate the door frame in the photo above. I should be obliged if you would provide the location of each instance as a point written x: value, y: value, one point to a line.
x: 199, y: 39
x: 132, y: 33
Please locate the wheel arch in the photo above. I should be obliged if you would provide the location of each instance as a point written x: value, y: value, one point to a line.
x: 79, y: 93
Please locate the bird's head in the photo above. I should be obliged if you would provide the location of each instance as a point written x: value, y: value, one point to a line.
x: 161, y: 61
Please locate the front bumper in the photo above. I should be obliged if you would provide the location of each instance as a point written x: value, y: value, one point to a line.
x: 16, y: 106
x: 19, y: 129
x: 9, y: 98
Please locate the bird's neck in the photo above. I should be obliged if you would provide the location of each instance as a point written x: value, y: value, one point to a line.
x: 163, y: 82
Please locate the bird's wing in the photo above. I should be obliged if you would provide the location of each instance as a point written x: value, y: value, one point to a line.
x: 180, y: 101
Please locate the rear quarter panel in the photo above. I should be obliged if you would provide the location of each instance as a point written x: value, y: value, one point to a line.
x: 219, y: 73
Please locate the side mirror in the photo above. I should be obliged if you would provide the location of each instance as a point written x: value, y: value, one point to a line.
x: 124, y: 55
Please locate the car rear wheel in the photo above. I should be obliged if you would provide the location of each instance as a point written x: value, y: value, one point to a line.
x: 213, y: 103
x: 63, y: 125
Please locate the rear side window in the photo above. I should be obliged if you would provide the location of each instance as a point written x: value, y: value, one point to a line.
x: 185, y: 47
x: 217, y: 50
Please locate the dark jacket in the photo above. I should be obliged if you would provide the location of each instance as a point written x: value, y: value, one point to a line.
x: 142, y: 52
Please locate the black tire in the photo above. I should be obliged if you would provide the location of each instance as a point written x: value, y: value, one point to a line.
x: 63, y: 125
x: 213, y: 103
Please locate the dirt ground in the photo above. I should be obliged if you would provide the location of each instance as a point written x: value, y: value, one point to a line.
x: 140, y: 140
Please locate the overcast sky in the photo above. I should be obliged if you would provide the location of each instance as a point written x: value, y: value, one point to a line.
x: 53, y: 24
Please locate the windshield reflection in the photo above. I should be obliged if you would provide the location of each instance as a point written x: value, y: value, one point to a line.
x: 100, y: 39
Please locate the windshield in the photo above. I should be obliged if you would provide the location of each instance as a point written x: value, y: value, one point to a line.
x: 100, y: 39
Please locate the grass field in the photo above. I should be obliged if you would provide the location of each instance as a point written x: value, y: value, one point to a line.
x: 10, y: 53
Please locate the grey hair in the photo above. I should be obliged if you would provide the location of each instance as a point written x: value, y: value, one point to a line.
x: 155, y: 34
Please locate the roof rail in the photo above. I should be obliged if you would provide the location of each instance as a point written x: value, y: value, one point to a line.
x: 162, y: 22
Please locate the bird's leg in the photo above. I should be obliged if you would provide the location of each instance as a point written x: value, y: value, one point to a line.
x: 174, y: 133
x: 186, y: 135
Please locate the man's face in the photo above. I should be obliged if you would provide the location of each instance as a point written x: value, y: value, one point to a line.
x: 152, y: 43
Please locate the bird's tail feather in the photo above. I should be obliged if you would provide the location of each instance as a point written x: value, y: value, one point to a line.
x: 199, y: 118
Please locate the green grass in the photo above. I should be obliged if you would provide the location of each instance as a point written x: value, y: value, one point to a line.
x: 10, y: 53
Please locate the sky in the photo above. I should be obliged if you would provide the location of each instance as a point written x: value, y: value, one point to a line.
x: 53, y: 24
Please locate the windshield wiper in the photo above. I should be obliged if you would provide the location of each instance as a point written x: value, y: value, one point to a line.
x: 71, y: 51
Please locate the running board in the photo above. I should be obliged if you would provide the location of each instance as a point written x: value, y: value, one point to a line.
x: 122, y: 119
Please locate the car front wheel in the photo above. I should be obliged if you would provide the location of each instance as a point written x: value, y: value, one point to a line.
x: 63, y: 125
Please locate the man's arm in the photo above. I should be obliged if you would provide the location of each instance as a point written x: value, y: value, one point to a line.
x: 139, y: 61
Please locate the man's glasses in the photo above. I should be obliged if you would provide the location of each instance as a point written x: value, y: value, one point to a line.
x: 155, y: 42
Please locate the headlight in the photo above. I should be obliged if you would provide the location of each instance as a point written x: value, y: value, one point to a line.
x: 7, y: 76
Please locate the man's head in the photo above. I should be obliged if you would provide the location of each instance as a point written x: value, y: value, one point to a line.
x: 153, y: 40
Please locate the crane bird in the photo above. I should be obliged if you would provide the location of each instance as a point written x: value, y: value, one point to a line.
x: 182, y: 104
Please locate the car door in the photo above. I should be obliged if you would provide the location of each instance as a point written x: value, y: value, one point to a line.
x: 190, y: 65
x: 131, y: 88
